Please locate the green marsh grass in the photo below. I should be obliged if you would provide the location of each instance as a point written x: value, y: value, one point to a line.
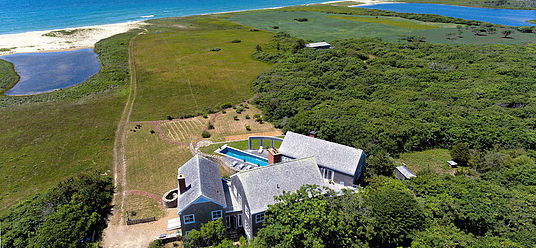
x: 396, y: 22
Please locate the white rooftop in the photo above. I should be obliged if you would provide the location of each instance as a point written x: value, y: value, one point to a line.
x: 317, y: 44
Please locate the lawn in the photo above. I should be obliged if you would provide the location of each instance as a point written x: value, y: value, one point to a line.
x: 49, y: 137
x: 152, y: 163
x: 429, y: 160
x: 179, y: 75
x: 140, y: 207
x: 321, y: 26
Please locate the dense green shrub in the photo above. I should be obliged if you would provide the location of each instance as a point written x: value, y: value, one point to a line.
x: 402, y: 96
x: 460, y: 153
x: 68, y: 215
x: 205, y: 134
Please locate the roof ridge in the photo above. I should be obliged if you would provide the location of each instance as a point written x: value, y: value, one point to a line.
x: 199, y: 175
x: 277, y: 164
x: 323, y: 140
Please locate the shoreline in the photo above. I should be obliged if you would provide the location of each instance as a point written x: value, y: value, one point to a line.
x: 58, y: 41
x: 87, y: 36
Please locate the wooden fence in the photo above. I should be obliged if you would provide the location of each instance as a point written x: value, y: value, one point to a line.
x: 138, y: 221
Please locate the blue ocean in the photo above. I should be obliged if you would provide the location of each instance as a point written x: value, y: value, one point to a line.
x: 17, y: 16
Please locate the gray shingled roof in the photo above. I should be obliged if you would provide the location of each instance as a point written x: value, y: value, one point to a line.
x: 263, y: 183
x: 335, y: 156
x: 202, y: 179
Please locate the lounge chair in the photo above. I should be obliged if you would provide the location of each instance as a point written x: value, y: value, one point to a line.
x: 248, y: 167
x: 241, y: 166
x: 260, y: 150
x: 235, y: 163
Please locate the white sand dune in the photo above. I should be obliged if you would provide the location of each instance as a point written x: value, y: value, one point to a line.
x: 85, y: 37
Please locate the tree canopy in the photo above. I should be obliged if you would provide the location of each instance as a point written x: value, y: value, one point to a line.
x: 68, y: 215
x: 400, y: 97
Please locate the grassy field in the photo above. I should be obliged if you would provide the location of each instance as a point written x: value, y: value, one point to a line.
x: 429, y: 160
x: 227, y: 128
x: 152, y: 163
x: 140, y: 207
x: 391, y: 21
x: 323, y: 26
x: 179, y: 75
x: 49, y: 137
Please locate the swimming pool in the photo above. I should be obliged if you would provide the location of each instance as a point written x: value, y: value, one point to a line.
x: 242, y: 156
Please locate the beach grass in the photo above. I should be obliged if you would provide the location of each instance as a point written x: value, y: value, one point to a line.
x: 49, y: 137
x: 8, y: 76
x: 186, y: 66
x: 66, y: 32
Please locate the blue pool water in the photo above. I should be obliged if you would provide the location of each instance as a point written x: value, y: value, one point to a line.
x: 45, y: 72
x: 250, y: 158
x: 511, y: 17
x: 19, y: 16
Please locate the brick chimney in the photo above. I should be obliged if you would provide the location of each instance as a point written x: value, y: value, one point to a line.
x: 313, y: 134
x: 182, y: 183
x: 274, y: 156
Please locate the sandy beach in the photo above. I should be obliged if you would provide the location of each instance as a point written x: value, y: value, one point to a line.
x: 66, y: 39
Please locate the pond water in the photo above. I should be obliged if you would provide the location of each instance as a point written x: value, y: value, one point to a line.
x: 511, y: 17
x: 45, y: 72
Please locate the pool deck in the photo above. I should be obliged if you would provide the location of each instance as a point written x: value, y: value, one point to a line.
x: 239, y: 164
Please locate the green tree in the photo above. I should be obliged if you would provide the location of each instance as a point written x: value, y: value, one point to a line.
x: 442, y: 236
x: 506, y: 33
x: 395, y: 213
x: 211, y: 233
x: 308, y: 218
x: 380, y: 164
x: 460, y: 153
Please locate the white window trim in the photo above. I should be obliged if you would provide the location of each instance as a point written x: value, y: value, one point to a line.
x: 216, y: 211
x: 240, y: 219
x: 257, y: 217
x: 189, y: 222
x: 327, y: 173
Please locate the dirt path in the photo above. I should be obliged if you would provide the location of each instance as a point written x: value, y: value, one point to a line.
x: 139, y: 235
x: 120, y: 182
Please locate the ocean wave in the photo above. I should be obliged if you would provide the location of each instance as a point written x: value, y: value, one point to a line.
x: 147, y: 16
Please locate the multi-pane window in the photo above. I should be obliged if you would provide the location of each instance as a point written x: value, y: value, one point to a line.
x: 188, y: 219
x: 259, y: 218
x: 217, y: 214
x: 327, y: 173
x: 239, y: 220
